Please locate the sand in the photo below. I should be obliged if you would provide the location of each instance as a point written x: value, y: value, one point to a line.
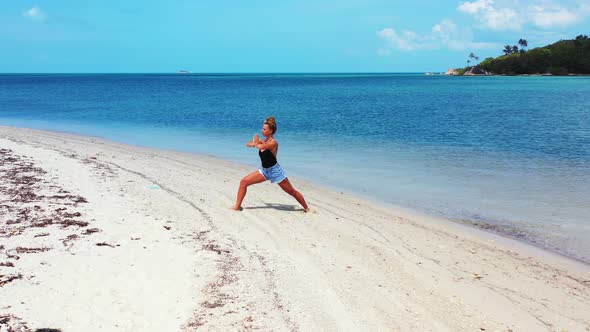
x: 102, y: 236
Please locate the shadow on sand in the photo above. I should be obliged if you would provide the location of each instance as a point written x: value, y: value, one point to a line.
x: 281, y: 207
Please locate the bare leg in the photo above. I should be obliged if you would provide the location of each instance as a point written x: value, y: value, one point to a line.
x: 248, y: 180
x: 288, y: 188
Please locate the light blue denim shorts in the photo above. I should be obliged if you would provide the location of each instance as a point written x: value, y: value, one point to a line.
x: 275, y: 173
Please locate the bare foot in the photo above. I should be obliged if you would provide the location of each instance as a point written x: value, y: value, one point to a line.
x: 239, y: 208
x: 308, y: 210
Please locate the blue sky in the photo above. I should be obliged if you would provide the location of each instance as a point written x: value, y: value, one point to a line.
x: 274, y: 36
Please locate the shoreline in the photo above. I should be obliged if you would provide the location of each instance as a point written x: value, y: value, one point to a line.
x: 352, y: 264
x: 483, y: 226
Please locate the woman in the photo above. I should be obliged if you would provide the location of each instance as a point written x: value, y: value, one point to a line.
x: 271, y: 170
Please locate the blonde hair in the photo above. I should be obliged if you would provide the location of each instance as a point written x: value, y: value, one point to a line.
x: 272, y: 123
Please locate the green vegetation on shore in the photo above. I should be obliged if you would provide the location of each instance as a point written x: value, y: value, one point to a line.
x: 561, y: 58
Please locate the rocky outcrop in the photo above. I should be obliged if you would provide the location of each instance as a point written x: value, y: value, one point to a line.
x: 476, y: 71
x: 473, y: 71
x: 452, y: 71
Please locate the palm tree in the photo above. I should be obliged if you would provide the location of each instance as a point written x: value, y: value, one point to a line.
x: 523, y: 44
x: 472, y: 56
x: 507, y: 49
x: 514, y: 49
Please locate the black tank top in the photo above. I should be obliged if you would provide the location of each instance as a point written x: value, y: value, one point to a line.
x: 268, y: 159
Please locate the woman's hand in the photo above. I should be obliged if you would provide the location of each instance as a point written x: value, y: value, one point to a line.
x: 254, y: 142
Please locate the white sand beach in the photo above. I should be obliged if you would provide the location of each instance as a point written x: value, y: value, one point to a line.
x: 102, y: 236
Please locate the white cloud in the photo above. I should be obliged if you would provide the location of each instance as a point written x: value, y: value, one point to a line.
x: 476, y: 6
x: 548, y: 17
x: 491, y: 15
x: 448, y: 35
x: 445, y: 30
x: 513, y: 15
x: 444, y: 35
x: 503, y: 19
x: 35, y: 14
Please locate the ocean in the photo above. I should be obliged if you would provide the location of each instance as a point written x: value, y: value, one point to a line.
x: 507, y: 154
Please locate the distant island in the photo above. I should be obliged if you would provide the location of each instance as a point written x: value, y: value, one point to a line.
x: 565, y: 57
x: 184, y: 71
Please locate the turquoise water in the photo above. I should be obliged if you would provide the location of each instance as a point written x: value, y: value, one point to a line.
x: 510, y: 154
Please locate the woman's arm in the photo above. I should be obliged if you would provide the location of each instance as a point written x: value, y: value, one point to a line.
x: 264, y: 145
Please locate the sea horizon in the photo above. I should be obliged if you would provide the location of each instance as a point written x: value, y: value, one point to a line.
x: 210, y: 73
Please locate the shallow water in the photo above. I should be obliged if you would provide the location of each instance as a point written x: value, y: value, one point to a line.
x: 511, y: 154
